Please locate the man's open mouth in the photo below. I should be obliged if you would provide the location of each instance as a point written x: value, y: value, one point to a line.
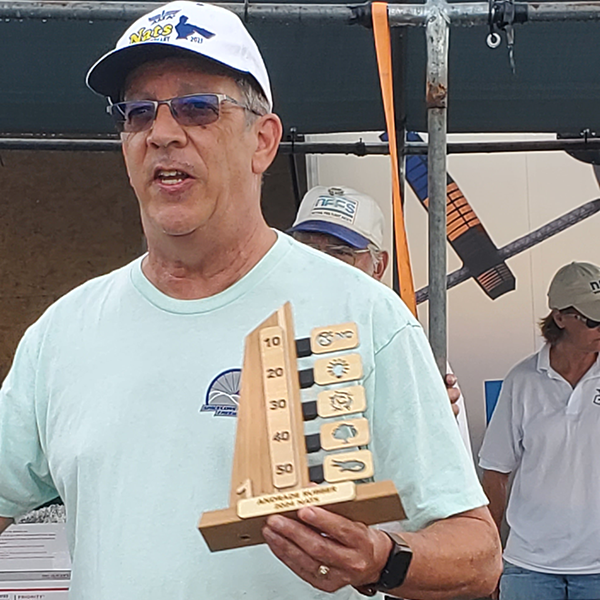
x: 170, y: 176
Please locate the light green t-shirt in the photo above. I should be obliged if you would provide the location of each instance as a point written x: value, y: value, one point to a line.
x: 120, y: 399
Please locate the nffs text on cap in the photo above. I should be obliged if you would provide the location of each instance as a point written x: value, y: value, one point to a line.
x: 203, y: 29
x: 342, y: 212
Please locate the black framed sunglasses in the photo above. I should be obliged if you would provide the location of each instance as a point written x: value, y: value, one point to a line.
x: 191, y: 110
x: 590, y: 323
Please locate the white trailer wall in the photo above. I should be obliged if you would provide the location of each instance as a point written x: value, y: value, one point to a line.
x: 512, y: 194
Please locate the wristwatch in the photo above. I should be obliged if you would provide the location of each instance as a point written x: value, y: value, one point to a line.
x: 395, y: 569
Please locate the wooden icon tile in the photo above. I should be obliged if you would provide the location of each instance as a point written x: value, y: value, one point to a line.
x: 338, y: 369
x: 346, y: 466
x: 345, y: 434
x: 334, y: 338
x: 341, y: 401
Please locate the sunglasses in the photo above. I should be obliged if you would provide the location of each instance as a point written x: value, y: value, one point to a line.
x: 341, y: 252
x: 192, y: 110
x: 590, y: 323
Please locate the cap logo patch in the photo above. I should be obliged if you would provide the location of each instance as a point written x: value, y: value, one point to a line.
x: 595, y: 285
x: 163, y: 16
x: 146, y: 35
x: 335, y: 206
x: 185, y: 29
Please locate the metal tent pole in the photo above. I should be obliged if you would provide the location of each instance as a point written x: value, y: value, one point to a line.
x: 437, y: 32
x: 465, y: 14
x: 525, y: 242
x: 360, y: 148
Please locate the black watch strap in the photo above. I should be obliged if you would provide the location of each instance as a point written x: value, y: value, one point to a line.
x: 395, y: 570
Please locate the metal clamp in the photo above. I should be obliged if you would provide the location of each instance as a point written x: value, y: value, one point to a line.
x: 502, y: 16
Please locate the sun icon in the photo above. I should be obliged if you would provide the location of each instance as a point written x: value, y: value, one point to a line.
x: 338, y: 367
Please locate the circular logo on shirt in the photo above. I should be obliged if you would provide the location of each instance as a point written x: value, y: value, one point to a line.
x: 223, y: 394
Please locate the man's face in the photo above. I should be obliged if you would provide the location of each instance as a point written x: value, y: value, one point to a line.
x: 575, y: 332
x: 337, y: 248
x: 187, y: 178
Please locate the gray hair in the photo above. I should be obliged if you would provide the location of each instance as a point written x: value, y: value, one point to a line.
x: 253, y: 97
x: 375, y: 252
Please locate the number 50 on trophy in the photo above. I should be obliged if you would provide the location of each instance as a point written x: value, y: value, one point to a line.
x: 270, y: 468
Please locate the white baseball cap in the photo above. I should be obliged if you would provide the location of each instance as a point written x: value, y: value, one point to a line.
x: 578, y: 285
x: 211, y: 31
x: 342, y: 212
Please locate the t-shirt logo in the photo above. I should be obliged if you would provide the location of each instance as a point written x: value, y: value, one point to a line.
x: 597, y: 397
x: 223, y: 394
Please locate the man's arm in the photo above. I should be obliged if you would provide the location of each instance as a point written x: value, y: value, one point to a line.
x: 455, y: 557
x: 495, y: 485
x: 5, y: 523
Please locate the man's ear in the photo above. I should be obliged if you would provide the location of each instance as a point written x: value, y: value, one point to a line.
x: 268, y: 131
x: 382, y: 263
x: 559, y: 318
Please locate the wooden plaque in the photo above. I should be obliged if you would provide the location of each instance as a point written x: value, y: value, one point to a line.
x: 270, y: 469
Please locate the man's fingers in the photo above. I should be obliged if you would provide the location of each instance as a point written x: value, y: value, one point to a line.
x: 453, y: 394
x: 450, y: 380
x: 311, y: 540
x: 327, y: 550
x: 348, y: 533
x: 290, y: 554
x: 319, y: 574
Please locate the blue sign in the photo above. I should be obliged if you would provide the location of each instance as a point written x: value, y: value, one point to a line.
x: 492, y: 391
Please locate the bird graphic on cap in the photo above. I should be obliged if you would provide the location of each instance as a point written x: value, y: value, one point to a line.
x: 184, y: 29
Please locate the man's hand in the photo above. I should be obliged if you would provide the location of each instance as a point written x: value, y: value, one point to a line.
x: 453, y: 391
x: 459, y: 556
x: 327, y: 550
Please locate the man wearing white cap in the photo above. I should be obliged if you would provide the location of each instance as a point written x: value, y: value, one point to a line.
x: 121, y: 396
x: 343, y: 223
x: 349, y: 225
x: 545, y: 431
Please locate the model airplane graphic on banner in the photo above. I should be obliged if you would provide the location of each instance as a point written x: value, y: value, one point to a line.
x: 466, y: 234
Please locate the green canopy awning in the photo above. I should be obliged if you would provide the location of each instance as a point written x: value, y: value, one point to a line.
x: 324, y: 77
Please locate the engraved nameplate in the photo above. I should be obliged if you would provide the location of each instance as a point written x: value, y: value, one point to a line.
x: 294, y: 499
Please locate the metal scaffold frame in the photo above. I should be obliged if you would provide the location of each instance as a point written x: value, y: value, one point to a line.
x: 436, y: 17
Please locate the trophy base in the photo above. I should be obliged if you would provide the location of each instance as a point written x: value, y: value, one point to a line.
x: 376, y: 502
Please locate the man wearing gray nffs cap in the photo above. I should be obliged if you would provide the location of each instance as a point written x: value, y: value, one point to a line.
x: 122, y: 396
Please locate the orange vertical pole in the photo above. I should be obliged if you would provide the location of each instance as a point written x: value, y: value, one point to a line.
x: 383, y: 49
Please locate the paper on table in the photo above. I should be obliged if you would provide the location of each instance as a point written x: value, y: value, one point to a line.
x: 34, y: 562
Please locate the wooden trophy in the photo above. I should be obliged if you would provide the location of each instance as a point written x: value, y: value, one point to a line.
x: 270, y: 469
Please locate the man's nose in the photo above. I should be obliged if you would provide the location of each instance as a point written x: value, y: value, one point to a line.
x: 165, y: 129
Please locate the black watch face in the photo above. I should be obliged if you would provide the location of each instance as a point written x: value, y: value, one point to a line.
x: 396, y: 568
